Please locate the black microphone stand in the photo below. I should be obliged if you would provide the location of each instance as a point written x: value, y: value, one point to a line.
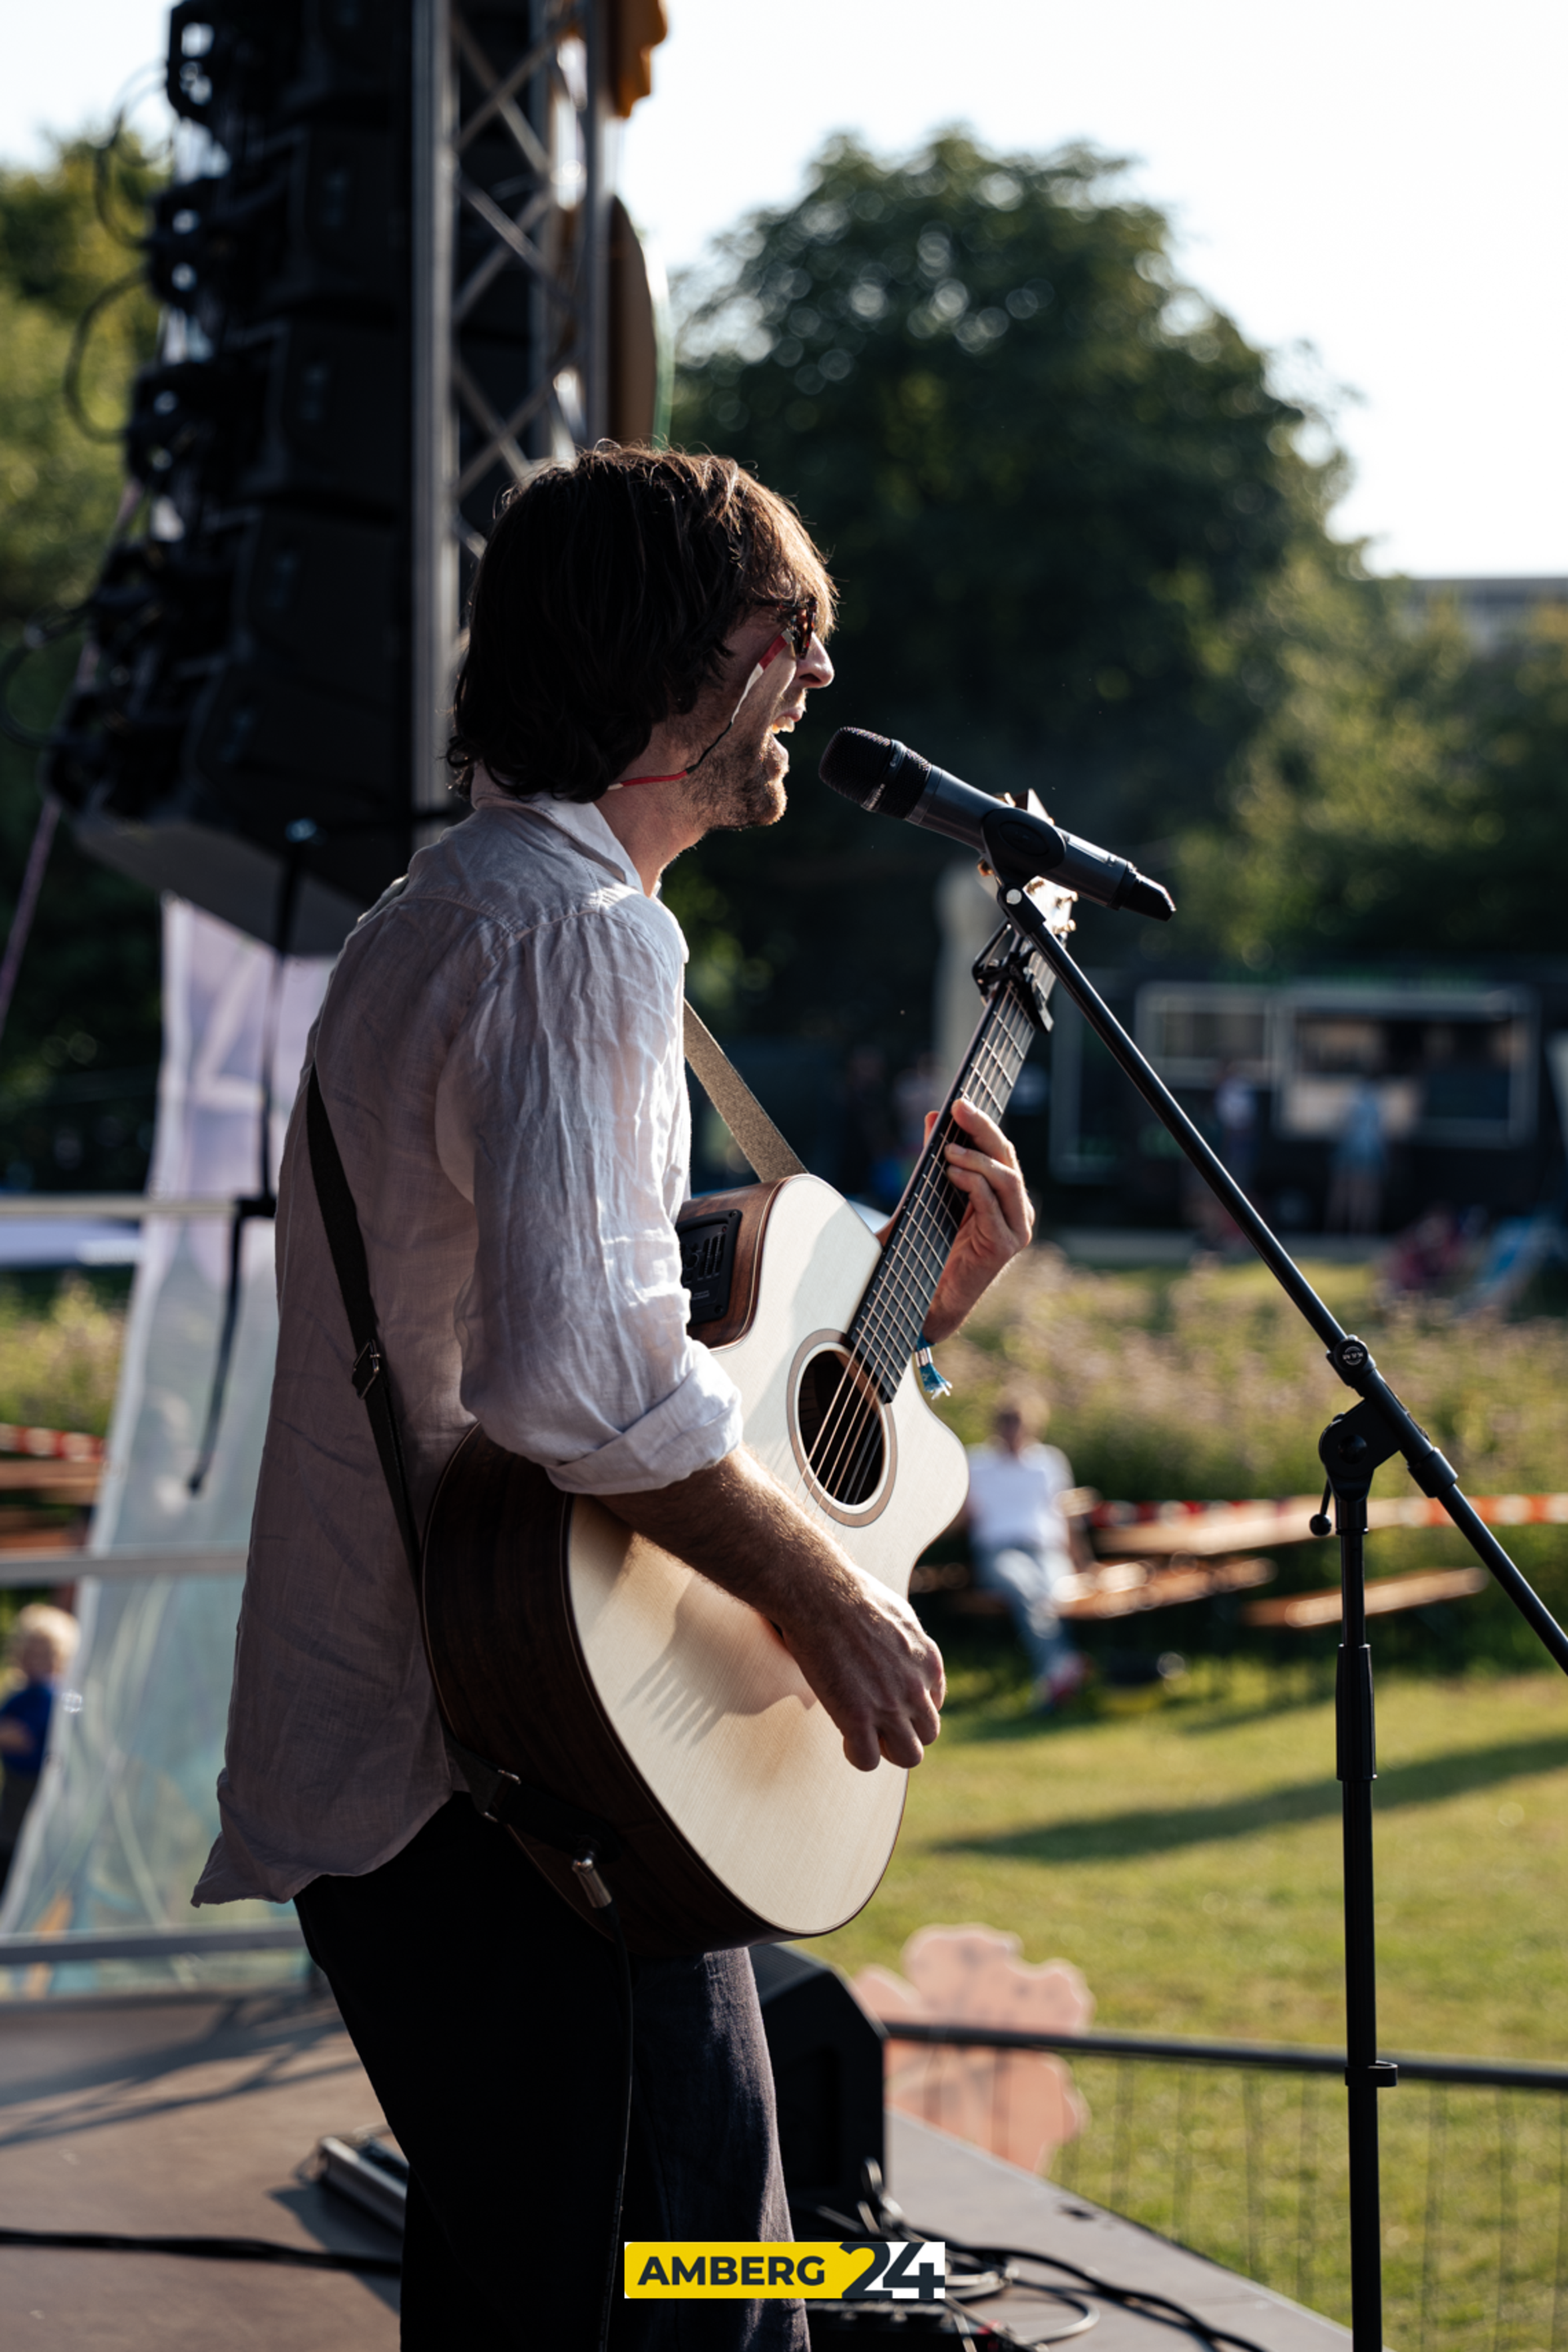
x: 1352, y: 1448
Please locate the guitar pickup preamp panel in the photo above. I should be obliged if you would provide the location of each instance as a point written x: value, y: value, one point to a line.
x: 708, y: 1265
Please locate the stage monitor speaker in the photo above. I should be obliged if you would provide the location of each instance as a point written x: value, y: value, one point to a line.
x: 826, y: 2056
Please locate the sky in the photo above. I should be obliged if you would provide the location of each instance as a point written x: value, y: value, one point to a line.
x: 1372, y: 188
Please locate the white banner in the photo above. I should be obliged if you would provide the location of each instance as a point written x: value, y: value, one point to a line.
x: 126, y: 1809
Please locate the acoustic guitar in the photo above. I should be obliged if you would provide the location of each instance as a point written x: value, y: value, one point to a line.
x: 574, y: 1653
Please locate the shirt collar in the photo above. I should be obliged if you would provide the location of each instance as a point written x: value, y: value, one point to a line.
x: 581, y: 821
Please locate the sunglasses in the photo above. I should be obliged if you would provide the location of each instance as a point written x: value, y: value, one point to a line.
x: 800, y: 626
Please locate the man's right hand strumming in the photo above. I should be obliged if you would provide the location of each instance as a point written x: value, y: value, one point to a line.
x: 859, y: 1645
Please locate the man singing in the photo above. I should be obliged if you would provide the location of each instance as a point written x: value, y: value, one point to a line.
x: 500, y: 1053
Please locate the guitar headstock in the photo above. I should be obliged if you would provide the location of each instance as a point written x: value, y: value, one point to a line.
x: 1055, y: 905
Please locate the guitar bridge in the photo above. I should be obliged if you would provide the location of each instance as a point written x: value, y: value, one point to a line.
x: 708, y: 1265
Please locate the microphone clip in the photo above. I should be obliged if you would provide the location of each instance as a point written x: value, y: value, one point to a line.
x: 1007, y: 961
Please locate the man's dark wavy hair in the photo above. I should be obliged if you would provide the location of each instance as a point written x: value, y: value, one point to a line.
x: 605, y: 603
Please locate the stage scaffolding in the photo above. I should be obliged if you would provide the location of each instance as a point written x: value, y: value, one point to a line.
x: 534, y: 317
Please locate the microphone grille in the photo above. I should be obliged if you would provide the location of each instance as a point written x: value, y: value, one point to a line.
x: 874, y: 772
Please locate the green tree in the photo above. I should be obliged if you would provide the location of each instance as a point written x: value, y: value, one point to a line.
x: 1055, y: 487
x: 1403, y: 796
x: 81, y: 1040
x: 59, y: 255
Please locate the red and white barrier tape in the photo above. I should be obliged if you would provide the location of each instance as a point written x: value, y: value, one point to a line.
x: 1412, y: 1510
x: 53, y: 1445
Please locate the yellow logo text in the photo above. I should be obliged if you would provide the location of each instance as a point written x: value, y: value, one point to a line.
x: 852, y: 2270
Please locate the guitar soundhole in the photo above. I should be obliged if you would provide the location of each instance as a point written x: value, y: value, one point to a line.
x: 840, y: 1430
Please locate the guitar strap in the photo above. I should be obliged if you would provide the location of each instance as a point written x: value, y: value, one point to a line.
x: 737, y: 1106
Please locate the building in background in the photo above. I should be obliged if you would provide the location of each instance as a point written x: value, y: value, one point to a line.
x: 1496, y: 613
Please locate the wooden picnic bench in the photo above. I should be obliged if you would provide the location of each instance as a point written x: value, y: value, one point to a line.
x: 1112, y: 1588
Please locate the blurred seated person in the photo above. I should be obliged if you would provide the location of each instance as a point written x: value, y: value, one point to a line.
x: 1438, y: 1247
x: 1022, y: 1546
x: 42, y: 1645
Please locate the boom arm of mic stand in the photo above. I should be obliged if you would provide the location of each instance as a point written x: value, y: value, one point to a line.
x: 1351, y: 1358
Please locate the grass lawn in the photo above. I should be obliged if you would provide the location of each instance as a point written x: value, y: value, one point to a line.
x: 1186, y: 1858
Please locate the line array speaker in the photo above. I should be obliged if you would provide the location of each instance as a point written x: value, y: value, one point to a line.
x: 240, y: 718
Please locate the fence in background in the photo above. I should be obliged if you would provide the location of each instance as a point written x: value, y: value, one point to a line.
x: 1237, y: 2150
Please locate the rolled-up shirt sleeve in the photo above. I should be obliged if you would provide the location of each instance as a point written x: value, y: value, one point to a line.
x: 563, y: 1114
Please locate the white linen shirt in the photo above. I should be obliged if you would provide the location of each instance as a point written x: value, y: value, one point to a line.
x: 499, y: 1051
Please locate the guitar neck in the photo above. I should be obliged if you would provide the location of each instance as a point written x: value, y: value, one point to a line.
x: 888, y: 1324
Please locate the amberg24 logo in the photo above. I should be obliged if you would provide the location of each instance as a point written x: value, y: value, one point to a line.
x: 907, y: 2272
x: 850, y: 2270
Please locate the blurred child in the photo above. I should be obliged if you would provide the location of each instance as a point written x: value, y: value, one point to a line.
x: 43, y: 1644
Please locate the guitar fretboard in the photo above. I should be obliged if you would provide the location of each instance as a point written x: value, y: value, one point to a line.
x: 891, y: 1316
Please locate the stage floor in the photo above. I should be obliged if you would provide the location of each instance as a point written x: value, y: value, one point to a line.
x: 193, y: 2114
x: 181, y: 2113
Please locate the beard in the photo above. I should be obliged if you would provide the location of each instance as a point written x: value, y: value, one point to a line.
x: 740, y: 784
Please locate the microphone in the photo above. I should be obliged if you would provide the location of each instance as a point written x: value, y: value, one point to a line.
x: 877, y: 774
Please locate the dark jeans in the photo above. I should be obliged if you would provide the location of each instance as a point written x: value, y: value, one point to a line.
x: 489, y: 2019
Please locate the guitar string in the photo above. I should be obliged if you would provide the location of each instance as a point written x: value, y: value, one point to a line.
x: 887, y: 1326
x: 894, y: 1300
x: 888, y: 1323
x: 884, y: 1325
x: 917, y: 1237
x: 856, y: 1402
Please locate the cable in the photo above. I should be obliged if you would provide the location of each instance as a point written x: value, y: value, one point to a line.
x: 27, y: 903
x: 999, y: 2332
x: 40, y: 631
x: 209, y: 2250
x: 977, y: 2286
x: 613, y: 2266
x: 103, y: 149
x: 1131, y: 2298
x: 70, y: 382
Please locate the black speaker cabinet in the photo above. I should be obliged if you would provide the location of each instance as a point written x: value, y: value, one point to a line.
x: 826, y: 2055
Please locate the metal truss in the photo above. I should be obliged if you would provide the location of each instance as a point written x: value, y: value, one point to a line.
x: 510, y: 291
